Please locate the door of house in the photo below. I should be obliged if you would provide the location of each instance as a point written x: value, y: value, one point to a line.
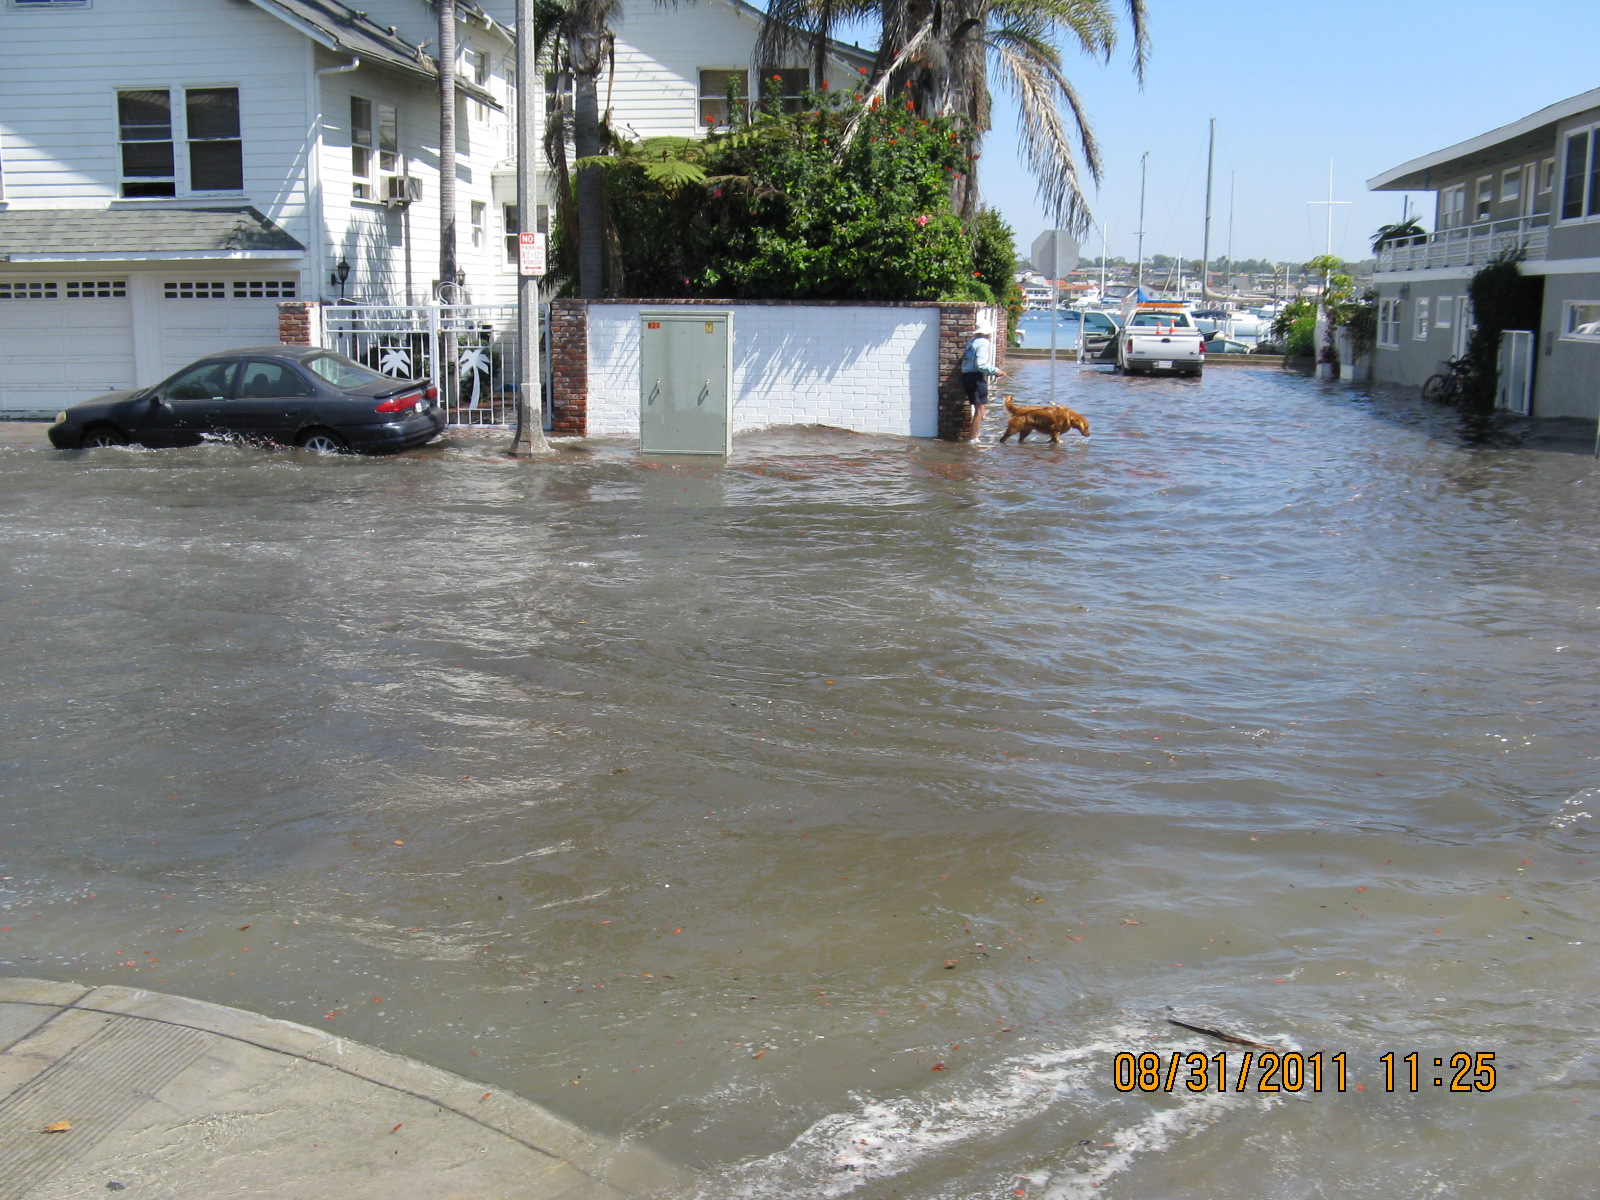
x: 1462, y: 331
x: 685, y: 381
x: 1516, y: 371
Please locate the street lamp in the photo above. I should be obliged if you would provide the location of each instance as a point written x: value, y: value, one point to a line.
x: 340, y: 274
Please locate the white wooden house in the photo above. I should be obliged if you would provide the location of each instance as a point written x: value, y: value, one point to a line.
x: 170, y: 170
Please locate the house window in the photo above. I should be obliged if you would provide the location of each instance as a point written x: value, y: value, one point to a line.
x: 264, y: 289
x: 369, y: 140
x: 508, y: 215
x: 478, y: 210
x: 1420, y: 331
x: 475, y: 66
x: 1452, y: 206
x: 97, y: 289
x: 1389, y: 324
x: 29, y: 291
x: 724, y: 96
x: 559, y: 89
x: 783, y: 89
x: 1511, y: 184
x: 1481, y: 211
x: 144, y: 124
x: 1580, y: 184
x: 1547, y: 175
x: 216, y: 155
x: 1582, y: 322
x: 1441, y: 316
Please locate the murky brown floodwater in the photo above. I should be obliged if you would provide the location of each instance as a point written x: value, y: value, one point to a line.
x: 830, y: 819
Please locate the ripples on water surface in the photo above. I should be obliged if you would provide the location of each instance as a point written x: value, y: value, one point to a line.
x: 830, y: 818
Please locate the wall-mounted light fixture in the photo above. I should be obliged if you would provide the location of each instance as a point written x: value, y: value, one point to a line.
x: 340, y: 274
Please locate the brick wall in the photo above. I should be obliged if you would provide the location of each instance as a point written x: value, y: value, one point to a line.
x: 569, y: 369
x: 957, y: 324
x: 298, y: 323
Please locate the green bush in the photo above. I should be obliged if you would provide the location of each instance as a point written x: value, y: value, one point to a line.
x: 794, y: 206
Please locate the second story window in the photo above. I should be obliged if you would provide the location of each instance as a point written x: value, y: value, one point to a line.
x: 475, y: 67
x: 1580, y: 176
x: 216, y: 154
x: 1483, y: 209
x: 144, y: 125
x: 478, y: 211
x: 724, y: 97
x: 783, y: 89
x: 374, y: 147
x: 1452, y: 206
x: 147, y: 139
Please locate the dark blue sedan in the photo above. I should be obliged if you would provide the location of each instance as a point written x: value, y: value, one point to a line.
x: 286, y: 395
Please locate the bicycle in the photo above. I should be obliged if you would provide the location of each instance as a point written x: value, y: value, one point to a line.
x: 1450, y: 385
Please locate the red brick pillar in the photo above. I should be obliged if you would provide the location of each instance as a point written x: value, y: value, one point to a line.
x: 569, y: 368
x: 957, y: 323
x: 298, y: 323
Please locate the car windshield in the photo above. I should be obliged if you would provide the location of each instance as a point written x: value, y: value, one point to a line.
x: 342, y: 372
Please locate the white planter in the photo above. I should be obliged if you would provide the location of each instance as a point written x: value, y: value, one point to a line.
x: 1325, y: 371
x: 1356, y: 372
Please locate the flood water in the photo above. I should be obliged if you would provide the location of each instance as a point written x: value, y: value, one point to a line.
x: 829, y: 820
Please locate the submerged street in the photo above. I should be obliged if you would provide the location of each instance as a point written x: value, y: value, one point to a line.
x: 828, y: 820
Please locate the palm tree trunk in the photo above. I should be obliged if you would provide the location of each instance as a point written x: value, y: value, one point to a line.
x: 591, y: 180
x: 447, y: 145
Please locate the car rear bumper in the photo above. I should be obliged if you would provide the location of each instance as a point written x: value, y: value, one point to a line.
x: 391, y: 436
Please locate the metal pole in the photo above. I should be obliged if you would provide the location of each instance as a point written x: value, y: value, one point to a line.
x: 1144, y: 163
x: 447, y: 149
x: 529, y: 437
x: 1205, y: 239
x: 1055, y: 301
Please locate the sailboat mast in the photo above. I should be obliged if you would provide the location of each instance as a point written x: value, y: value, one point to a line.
x: 1205, y: 247
x: 1144, y: 166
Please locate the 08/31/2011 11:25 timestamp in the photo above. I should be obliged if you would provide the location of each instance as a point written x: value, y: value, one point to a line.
x: 1291, y: 1071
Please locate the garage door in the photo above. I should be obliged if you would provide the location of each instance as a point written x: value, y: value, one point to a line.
x: 201, y: 316
x: 62, y: 341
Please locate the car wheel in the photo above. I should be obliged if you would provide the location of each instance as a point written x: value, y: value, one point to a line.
x: 323, y: 441
x: 102, y: 435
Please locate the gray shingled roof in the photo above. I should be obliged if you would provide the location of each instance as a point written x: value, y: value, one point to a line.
x: 341, y: 27
x: 139, y: 231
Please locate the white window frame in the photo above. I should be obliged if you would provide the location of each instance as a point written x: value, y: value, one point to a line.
x: 1419, y: 330
x: 1452, y: 206
x: 1569, y: 312
x: 704, y: 98
x: 1483, y: 202
x: 1511, y: 185
x: 475, y: 66
x: 1547, y: 176
x: 1589, y: 201
x: 478, y: 218
x: 789, y: 99
x: 1442, y: 313
x: 376, y: 145
x: 1389, y: 323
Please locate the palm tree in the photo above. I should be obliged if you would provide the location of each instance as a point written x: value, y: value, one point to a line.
x: 577, y: 37
x: 941, y: 53
x: 1400, y: 231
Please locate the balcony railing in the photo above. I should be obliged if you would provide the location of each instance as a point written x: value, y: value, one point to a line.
x: 1469, y: 246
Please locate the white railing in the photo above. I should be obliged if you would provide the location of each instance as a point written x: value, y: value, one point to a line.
x: 467, y: 351
x: 1469, y: 246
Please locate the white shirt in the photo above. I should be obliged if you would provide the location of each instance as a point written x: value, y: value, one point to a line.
x: 984, y: 354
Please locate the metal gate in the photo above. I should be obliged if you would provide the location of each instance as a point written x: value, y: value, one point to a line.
x: 467, y: 351
x: 1516, y: 371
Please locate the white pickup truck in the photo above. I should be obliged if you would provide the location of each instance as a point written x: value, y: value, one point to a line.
x: 1161, y: 337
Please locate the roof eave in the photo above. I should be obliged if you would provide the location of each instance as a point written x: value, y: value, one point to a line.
x: 1416, y: 174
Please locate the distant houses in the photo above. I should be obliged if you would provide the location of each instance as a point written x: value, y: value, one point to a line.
x: 1532, y: 185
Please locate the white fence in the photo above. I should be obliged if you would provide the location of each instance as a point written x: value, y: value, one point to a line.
x: 468, y: 351
x: 1469, y: 246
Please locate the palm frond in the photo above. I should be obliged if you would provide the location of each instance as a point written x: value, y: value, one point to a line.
x: 1042, y: 92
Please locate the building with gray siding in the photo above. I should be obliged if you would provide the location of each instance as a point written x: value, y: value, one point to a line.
x: 1535, y: 185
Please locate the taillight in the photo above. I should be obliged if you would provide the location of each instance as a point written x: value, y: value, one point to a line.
x: 1202, y: 348
x: 1130, y: 345
x: 431, y: 394
x: 401, y: 403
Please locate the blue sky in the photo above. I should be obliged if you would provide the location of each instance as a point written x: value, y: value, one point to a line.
x: 1293, y: 84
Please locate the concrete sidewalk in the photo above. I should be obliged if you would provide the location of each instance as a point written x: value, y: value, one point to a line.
x: 179, y: 1099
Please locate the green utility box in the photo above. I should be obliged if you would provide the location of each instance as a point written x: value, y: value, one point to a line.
x: 686, y: 381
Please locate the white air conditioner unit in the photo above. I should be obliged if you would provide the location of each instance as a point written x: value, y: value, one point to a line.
x: 400, y: 190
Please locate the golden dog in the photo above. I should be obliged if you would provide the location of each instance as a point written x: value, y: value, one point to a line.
x: 1054, y: 419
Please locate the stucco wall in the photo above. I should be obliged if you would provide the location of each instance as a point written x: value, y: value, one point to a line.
x: 869, y: 368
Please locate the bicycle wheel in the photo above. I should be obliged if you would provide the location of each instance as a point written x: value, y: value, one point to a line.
x: 1435, y: 387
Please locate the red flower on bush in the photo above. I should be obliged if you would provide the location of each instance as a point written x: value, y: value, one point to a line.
x: 863, y: 70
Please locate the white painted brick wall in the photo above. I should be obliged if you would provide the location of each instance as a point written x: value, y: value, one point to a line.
x: 868, y: 369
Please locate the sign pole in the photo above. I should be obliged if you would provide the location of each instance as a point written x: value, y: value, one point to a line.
x: 1053, y: 251
x: 529, y: 437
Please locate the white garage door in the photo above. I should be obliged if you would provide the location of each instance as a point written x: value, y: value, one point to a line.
x: 62, y: 341
x: 66, y: 339
x: 203, y: 315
